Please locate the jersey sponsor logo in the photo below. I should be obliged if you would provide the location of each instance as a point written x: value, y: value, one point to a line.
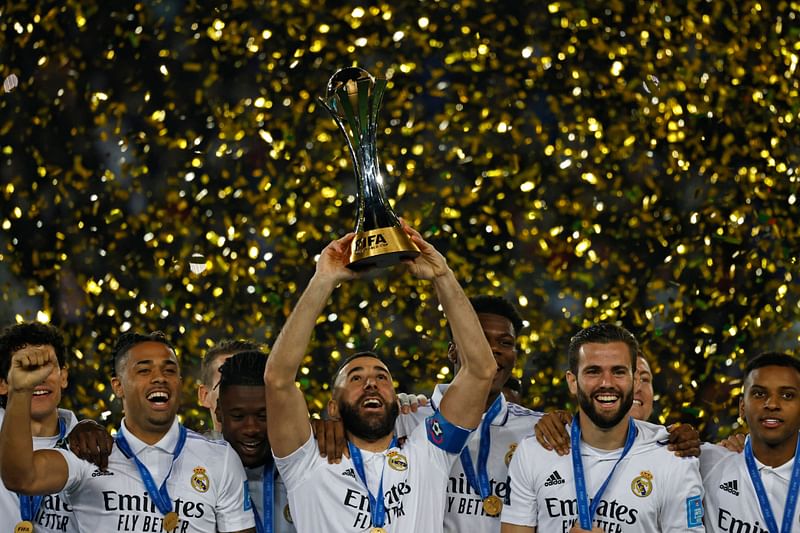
x: 54, y: 513
x: 554, y: 479
x: 642, y: 485
x: 608, y: 512
x: 393, y: 498
x: 729, y: 523
x: 694, y: 511
x: 200, y: 481
x: 397, y: 461
x: 731, y: 486
x: 349, y: 473
x: 510, y: 453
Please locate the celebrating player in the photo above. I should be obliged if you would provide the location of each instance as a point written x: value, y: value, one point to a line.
x: 382, y: 486
x: 756, y: 490
x: 160, y: 476
x: 618, y: 476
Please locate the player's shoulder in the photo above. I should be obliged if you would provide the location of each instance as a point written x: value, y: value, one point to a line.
x: 518, y: 411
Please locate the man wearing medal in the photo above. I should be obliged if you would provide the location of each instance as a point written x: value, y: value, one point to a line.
x: 160, y: 476
x: 242, y: 412
x: 757, y: 490
x: 382, y: 486
x: 478, y: 485
x: 619, y: 475
x: 48, y: 427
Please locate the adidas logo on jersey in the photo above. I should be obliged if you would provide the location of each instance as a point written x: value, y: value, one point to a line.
x: 349, y: 472
x: 731, y: 486
x: 98, y: 473
x: 554, y: 479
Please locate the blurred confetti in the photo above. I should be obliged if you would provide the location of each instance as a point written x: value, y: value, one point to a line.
x: 632, y: 162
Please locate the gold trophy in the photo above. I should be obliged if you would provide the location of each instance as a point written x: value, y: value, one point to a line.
x: 353, y: 99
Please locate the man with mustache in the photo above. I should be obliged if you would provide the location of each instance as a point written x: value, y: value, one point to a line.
x: 384, y: 486
x: 756, y: 491
x: 619, y: 476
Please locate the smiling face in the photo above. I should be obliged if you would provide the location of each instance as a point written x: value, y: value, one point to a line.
x: 365, y: 398
x: 149, y: 384
x: 771, y: 404
x: 604, y: 382
x: 242, y: 410
x: 46, y: 395
x: 643, y: 391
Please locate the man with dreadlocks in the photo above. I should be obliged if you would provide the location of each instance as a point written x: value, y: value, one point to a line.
x: 242, y: 412
x: 383, y: 486
x: 160, y: 476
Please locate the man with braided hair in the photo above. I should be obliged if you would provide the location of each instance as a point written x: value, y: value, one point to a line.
x: 242, y: 412
x: 208, y: 392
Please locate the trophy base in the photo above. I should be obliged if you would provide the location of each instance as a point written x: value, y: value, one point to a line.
x: 381, y: 248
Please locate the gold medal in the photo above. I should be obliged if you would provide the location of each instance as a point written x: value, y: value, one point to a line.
x: 23, y: 527
x: 377, y: 530
x: 492, y: 505
x: 170, y: 521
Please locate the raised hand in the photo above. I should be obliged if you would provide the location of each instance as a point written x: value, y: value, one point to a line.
x: 30, y: 366
x: 333, y: 260
x: 430, y: 263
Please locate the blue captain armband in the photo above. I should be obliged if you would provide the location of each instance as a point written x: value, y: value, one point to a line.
x: 445, y: 435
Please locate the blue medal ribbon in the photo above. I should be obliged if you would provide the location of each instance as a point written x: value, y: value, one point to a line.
x: 29, y: 505
x: 586, y: 511
x: 481, y: 484
x: 761, y: 493
x: 267, y: 500
x: 160, y: 496
x: 376, y: 505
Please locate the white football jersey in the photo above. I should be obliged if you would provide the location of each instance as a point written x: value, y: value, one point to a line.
x: 464, y: 507
x: 731, y: 502
x: 207, y: 487
x: 55, y: 513
x: 651, y: 489
x: 282, y: 521
x: 325, y: 497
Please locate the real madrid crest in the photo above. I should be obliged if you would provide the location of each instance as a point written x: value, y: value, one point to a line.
x: 200, y: 481
x: 510, y: 453
x: 642, y: 485
x: 397, y: 461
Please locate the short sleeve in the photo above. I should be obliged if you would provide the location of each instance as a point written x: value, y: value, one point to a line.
x: 682, y: 508
x: 232, y: 506
x: 77, y: 470
x: 297, y: 465
x: 522, y: 509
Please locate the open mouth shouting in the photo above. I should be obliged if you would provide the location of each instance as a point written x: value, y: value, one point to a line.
x: 372, y: 403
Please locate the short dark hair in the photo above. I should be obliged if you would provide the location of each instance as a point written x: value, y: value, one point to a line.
x: 17, y: 336
x: 495, y: 305
x: 243, y: 369
x: 128, y: 340
x: 771, y: 359
x: 224, y: 347
x: 356, y: 355
x: 602, y: 333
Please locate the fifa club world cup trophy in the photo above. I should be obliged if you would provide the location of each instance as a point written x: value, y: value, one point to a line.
x: 353, y: 99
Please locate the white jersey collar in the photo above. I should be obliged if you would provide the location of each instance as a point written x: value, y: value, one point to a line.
x: 167, y: 442
x: 499, y: 420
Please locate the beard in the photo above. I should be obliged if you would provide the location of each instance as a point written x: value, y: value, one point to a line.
x: 372, y: 427
x: 605, y: 421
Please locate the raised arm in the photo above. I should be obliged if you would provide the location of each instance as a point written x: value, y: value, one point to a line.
x: 287, y: 412
x: 22, y: 469
x: 464, y: 402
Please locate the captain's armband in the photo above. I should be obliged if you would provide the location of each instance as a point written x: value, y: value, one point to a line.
x: 445, y: 435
